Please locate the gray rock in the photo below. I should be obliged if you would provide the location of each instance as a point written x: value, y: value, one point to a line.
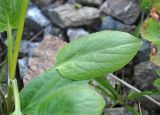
x: 74, y: 33
x: 23, y: 51
x: 31, y: 47
x: 45, y: 9
x: 125, y: 10
x: 42, y: 3
x: 149, y: 105
x: 56, y: 31
x: 67, y: 16
x: 90, y: 2
x: 117, y: 111
x: 23, y: 67
x: 35, y: 22
x: 71, y: 2
x: 43, y: 57
x: 109, y: 23
x: 143, y: 53
x: 35, y: 14
x: 26, y: 48
x: 127, y: 72
x: 144, y: 111
x: 144, y: 75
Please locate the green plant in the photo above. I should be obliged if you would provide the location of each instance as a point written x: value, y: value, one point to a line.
x: 146, y: 6
x: 64, y: 89
x: 151, y: 32
x: 77, y: 6
x: 12, y: 16
x: 79, y: 60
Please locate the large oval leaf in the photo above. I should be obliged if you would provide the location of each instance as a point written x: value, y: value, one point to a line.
x: 72, y: 100
x: 96, y: 55
x: 51, y: 94
x: 36, y: 88
x: 9, y: 13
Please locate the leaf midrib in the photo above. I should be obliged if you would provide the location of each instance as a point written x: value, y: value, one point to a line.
x: 83, y: 54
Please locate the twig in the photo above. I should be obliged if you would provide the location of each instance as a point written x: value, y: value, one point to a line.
x: 139, y: 106
x: 35, y: 36
x: 133, y: 88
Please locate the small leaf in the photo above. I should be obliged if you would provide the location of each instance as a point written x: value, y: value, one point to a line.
x: 107, y: 86
x: 151, y: 31
x: 96, y: 55
x: 158, y: 72
x: 138, y: 95
x: 146, y: 4
x: 157, y: 83
x: 9, y: 13
x: 132, y: 110
x: 51, y: 94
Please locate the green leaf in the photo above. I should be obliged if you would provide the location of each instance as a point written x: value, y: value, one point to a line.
x: 36, y: 89
x: 132, y: 110
x: 146, y: 4
x: 156, y: 5
x: 96, y: 55
x: 151, y: 31
x: 51, y: 94
x: 157, y: 83
x: 9, y: 13
x: 105, y: 84
x: 72, y: 100
x: 138, y: 95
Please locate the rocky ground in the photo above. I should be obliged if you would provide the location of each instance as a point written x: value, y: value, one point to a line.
x: 50, y: 24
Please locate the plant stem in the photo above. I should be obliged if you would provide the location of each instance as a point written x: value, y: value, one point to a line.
x: 4, y: 101
x: 19, y: 37
x: 104, y: 83
x: 10, y: 48
x: 142, y: 17
x: 12, y: 66
x: 9, y: 96
x: 9, y: 55
x: 105, y: 92
x: 16, y: 98
x: 134, y: 89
